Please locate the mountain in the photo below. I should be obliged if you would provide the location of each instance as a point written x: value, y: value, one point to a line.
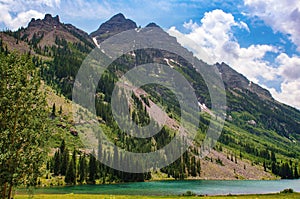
x: 50, y: 28
x: 259, y: 131
x: 234, y: 80
x: 248, y: 97
x: 62, y: 46
x: 114, y: 25
x: 45, y: 32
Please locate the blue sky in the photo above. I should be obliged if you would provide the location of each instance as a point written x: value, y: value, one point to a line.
x: 258, y: 38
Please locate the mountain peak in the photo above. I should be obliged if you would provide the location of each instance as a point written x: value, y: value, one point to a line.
x: 118, y: 16
x: 116, y: 24
x: 152, y: 25
x: 49, y: 18
x: 47, y: 21
x: 235, y: 80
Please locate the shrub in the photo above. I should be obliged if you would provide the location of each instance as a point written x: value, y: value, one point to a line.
x: 189, y: 193
x: 287, y: 191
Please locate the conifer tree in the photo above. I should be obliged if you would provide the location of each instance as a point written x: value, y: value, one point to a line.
x: 62, y: 146
x: 92, y: 168
x: 53, y: 113
x: 296, y: 174
x: 70, y: 177
x: 57, y: 162
x: 82, y: 169
x: 74, y: 159
x: 64, y: 162
x: 23, y: 122
x: 60, y: 110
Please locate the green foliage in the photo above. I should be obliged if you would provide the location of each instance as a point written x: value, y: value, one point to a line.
x: 67, y: 58
x: 92, y: 168
x: 71, y: 173
x: 287, y: 191
x: 23, y: 122
x: 189, y: 193
x: 82, y: 169
x: 272, y: 141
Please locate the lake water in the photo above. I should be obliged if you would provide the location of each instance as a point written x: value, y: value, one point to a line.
x: 201, y: 187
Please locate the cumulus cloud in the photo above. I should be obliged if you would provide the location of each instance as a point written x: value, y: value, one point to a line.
x: 289, y: 69
x: 20, y: 20
x: 290, y: 93
x: 282, y: 16
x: 17, y: 13
x: 214, y: 36
x: 289, y: 66
x: 212, y: 40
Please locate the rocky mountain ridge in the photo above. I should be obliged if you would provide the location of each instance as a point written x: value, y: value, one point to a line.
x: 255, y: 121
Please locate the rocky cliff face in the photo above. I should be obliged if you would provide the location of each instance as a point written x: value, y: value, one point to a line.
x: 48, y: 23
x: 44, y: 32
x: 235, y: 80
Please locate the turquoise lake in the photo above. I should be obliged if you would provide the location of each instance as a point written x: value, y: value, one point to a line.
x: 200, y: 187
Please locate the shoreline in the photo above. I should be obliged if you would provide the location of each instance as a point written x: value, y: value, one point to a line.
x: 99, y: 196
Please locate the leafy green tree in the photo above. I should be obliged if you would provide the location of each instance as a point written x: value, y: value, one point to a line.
x: 23, y: 123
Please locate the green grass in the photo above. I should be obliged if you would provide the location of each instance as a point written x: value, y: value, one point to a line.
x: 85, y: 196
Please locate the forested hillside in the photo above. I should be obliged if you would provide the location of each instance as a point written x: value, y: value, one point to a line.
x: 259, y: 133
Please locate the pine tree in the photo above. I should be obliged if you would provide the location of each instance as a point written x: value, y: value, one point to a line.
x: 70, y: 174
x: 60, y: 110
x: 64, y: 162
x: 23, y: 122
x: 198, y: 167
x: 92, y: 168
x: 53, y: 112
x: 57, y: 162
x: 62, y: 146
x: 264, y: 165
x: 296, y: 174
x: 116, y: 159
x: 274, y: 168
x: 273, y: 156
x: 74, y: 160
x: 193, y: 167
x: 82, y: 169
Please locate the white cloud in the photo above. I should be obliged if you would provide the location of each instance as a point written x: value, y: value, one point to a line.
x: 190, y: 25
x: 282, y: 16
x: 17, y: 13
x: 289, y: 67
x: 21, y: 19
x: 243, y: 25
x: 214, y: 36
x: 290, y: 93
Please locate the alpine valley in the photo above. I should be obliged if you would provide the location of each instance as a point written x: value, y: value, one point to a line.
x: 260, y: 139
